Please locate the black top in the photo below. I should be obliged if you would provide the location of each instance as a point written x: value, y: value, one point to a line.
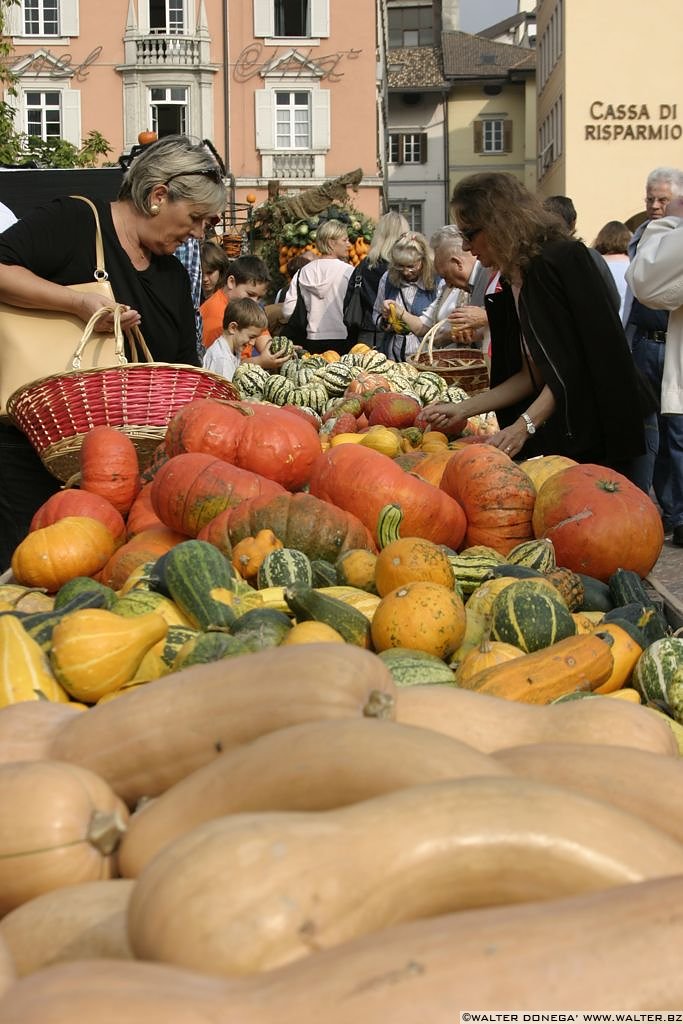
x: 576, y: 339
x: 57, y: 242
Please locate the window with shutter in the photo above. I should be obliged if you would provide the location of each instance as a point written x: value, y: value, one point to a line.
x: 69, y: 17
x: 71, y: 116
x: 492, y: 135
x: 478, y: 142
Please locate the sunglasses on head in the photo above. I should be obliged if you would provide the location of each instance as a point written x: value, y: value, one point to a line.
x: 212, y: 173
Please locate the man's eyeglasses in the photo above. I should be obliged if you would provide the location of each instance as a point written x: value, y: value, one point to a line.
x: 212, y: 173
x: 469, y: 233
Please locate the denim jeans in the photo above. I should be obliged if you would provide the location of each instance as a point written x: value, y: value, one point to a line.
x: 663, y: 464
x: 24, y: 485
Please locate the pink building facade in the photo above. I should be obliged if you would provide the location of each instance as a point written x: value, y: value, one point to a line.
x: 284, y: 89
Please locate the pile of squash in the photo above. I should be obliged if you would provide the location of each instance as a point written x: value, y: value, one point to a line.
x: 291, y: 732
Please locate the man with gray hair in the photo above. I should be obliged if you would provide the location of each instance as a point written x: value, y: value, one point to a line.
x: 460, y: 298
x: 646, y: 328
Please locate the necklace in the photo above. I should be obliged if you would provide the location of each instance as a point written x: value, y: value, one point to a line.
x: 138, y: 254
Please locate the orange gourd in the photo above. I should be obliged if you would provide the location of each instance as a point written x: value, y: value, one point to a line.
x: 55, y: 554
x: 411, y: 559
x: 71, y: 501
x: 249, y: 553
x: 109, y: 467
x: 422, y: 616
x: 356, y: 568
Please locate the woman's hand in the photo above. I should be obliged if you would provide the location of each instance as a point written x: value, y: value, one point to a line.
x: 511, y: 439
x: 91, y: 302
x: 448, y: 417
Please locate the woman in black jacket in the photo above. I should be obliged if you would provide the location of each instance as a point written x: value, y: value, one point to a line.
x: 367, y: 275
x: 562, y: 376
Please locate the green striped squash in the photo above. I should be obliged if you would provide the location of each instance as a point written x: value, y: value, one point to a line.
x: 416, y: 668
x: 305, y: 373
x: 427, y: 389
x: 453, y: 393
x: 324, y: 573
x: 290, y: 369
x: 313, y: 395
x: 250, y: 380
x: 474, y: 565
x: 278, y: 389
x: 336, y: 377
x: 207, y: 647
x: 281, y: 346
x: 284, y: 566
x: 372, y: 362
x: 656, y: 667
x: 176, y: 637
x: 261, y: 628
x: 201, y: 581
x: 535, y: 554
x: 530, y: 615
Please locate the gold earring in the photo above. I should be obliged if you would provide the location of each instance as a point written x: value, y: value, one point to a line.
x: 154, y: 210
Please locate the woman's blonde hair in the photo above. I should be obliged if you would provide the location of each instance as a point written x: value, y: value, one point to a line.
x: 412, y: 247
x: 188, y: 170
x: 515, y: 221
x: 388, y: 230
x: 328, y: 233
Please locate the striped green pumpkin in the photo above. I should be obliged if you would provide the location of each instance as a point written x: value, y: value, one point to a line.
x: 250, y: 380
x: 305, y: 373
x: 656, y: 667
x: 281, y: 346
x: 336, y: 377
x: 530, y: 616
x: 278, y: 389
x: 314, y: 395
x: 416, y: 668
x: 473, y: 566
x: 535, y: 554
x: 427, y: 389
x: 284, y: 566
x: 453, y: 393
x: 290, y: 369
x: 372, y: 362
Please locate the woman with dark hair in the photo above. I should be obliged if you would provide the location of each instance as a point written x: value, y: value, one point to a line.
x: 562, y: 377
x: 170, y: 192
x: 612, y: 244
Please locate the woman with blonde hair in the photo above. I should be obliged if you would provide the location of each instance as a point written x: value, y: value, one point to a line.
x: 364, y: 281
x: 412, y: 283
x: 323, y: 284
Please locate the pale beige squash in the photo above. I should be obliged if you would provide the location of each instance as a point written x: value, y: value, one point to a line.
x: 249, y: 892
x: 490, y: 723
x: 28, y: 728
x: 168, y: 728
x: 314, y: 766
x: 73, y: 923
x: 60, y: 824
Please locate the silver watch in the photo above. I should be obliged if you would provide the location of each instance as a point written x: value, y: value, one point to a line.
x: 530, y: 427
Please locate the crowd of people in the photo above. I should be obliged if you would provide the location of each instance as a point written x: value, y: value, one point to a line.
x: 584, y: 342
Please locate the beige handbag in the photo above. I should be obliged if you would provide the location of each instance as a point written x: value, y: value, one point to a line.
x: 38, y: 342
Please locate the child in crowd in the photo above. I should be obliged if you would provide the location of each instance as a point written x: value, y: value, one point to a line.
x: 215, y: 268
x: 247, y: 278
x: 244, y: 322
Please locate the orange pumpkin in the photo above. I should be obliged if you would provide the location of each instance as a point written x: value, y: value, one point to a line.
x: 497, y: 496
x: 146, y: 546
x: 74, y: 502
x: 55, y: 554
x: 109, y: 467
x: 422, y: 616
x: 142, y: 515
x: 598, y: 521
x: 411, y: 559
x: 356, y: 568
x: 249, y: 553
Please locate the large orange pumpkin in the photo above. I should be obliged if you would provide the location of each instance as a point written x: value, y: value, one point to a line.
x: 146, y: 546
x: 191, y: 489
x: 205, y: 425
x: 109, y: 467
x: 497, y: 496
x: 142, y: 515
x: 363, y: 481
x: 74, y: 502
x: 421, y: 616
x: 598, y: 521
x: 278, y: 445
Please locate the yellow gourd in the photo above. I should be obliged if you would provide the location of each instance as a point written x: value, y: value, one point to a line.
x: 24, y: 670
x: 95, y: 651
x: 486, y: 655
x: 311, y: 632
x: 382, y: 439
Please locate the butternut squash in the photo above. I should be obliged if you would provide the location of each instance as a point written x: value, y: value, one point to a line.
x: 575, y: 663
x: 638, y: 781
x: 489, y: 723
x: 250, y: 892
x: 28, y: 728
x: 76, y: 922
x: 313, y: 766
x: 7, y: 968
x: 583, y: 951
x: 59, y: 825
x: 168, y: 728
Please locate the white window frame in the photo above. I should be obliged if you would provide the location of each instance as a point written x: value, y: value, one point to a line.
x: 188, y: 23
x: 409, y: 208
x: 264, y: 23
x: 404, y: 144
x: 170, y: 102
x: 291, y: 107
x: 266, y: 122
x: 493, y: 135
x: 70, y: 107
x: 68, y: 24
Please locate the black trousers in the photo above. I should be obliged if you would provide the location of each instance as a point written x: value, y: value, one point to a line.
x: 24, y: 485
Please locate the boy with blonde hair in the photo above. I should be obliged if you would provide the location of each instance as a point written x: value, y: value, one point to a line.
x: 243, y: 323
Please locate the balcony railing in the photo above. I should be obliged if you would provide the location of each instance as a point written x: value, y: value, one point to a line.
x: 162, y: 50
x: 294, y: 165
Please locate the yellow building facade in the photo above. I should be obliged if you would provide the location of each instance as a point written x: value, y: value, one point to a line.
x: 610, y: 103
